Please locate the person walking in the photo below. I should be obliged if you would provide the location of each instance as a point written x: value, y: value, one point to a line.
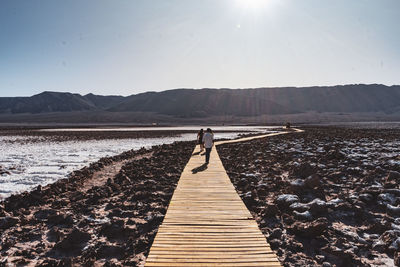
x: 200, y: 140
x: 208, y: 140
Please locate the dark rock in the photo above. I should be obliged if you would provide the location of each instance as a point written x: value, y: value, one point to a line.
x: 155, y: 219
x: 115, y: 213
x: 387, y: 198
x: 297, y: 186
x: 54, y: 235
x: 242, y: 183
x: 39, y: 188
x: 123, y: 179
x: 396, y: 258
x: 140, y: 196
x: 300, y: 207
x: 270, y: 210
x: 393, y: 191
x: 296, y: 246
x: 115, y: 187
x: 335, y: 155
x: 8, y: 222
x: 76, y: 196
x: 310, y: 229
x: 393, y: 176
x: 66, y: 262
x: 73, y: 243
x: 249, y: 199
x: 288, y: 219
x: 61, y: 219
x: 379, y: 246
x: 275, y: 243
x: 285, y: 200
x: 380, y: 226
x: 313, y: 181
x: 110, y: 252
x: 44, y: 214
x: 366, y: 197
x: 389, y: 237
x: 303, y: 170
x: 395, y: 246
x: 320, y: 258
x: 345, y: 257
x: 262, y: 191
x: 318, y: 206
x: 280, y: 252
x: 303, y: 216
x: 127, y: 214
x: 393, y: 210
x: 276, y: 233
x: 141, y: 244
x: 116, y: 230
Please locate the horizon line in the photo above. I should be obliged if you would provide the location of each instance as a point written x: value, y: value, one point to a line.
x: 204, y: 88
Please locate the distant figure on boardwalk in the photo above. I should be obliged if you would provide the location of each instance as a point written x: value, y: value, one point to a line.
x: 200, y: 140
x: 208, y: 140
x: 288, y: 125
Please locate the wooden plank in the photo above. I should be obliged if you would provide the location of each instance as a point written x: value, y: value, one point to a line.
x: 209, y: 239
x: 212, y: 254
x: 166, y: 264
x: 210, y: 235
x: 199, y: 223
x: 244, y: 231
x: 204, y: 260
x: 197, y: 228
x: 247, y: 257
x: 206, y: 250
x: 208, y: 242
x: 207, y: 223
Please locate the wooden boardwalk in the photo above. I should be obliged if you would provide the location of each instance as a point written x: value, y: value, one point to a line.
x: 207, y: 223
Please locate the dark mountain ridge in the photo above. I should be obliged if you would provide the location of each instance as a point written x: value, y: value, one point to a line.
x: 346, y: 98
x: 259, y: 101
x: 202, y: 103
x: 47, y: 102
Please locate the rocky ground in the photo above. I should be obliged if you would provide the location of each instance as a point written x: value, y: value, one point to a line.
x: 325, y: 197
x: 95, y: 217
x: 329, y: 197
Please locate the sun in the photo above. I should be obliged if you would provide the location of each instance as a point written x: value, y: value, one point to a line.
x: 252, y: 4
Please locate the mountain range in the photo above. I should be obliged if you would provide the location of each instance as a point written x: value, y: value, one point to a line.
x: 245, y: 105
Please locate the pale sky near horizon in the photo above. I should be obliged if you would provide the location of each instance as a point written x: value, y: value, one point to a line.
x: 126, y: 47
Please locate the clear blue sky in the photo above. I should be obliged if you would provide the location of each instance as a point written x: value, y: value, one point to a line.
x: 127, y: 46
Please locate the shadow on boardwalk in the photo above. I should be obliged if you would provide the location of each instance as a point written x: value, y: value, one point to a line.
x: 201, y: 168
x: 198, y: 153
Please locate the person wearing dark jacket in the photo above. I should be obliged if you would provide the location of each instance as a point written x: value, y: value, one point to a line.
x: 200, y: 140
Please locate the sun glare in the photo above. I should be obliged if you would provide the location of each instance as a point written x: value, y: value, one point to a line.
x: 252, y: 4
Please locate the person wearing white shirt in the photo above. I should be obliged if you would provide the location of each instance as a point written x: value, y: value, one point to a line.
x: 208, y: 140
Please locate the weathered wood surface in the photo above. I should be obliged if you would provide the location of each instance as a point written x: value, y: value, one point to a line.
x: 207, y: 223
